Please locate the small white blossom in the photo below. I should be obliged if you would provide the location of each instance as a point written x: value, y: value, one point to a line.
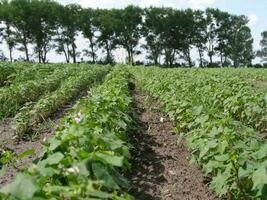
x: 78, y: 117
x: 73, y: 170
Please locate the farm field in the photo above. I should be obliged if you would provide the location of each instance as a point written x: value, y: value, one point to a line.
x: 80, y: 131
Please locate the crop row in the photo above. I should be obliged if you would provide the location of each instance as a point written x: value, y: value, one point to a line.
x: 85, y: 158
x: 31, y: 115
x: 7, y: 70
x: 220, y: 118
x: 14, y: 97
x: 32, y: 72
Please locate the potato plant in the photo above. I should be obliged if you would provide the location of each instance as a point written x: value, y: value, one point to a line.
x: 221, y: 118
x: 86, y: 157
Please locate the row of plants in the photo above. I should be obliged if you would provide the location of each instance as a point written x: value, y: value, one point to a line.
x: 220, y: 119
x: 7, y: 70
x: 32, y: 72
x: 35, y: 113
x: 14, y: 97
x: 89, y: 152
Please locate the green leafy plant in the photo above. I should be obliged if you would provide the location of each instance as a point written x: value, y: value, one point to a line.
x: 220, y: 115
x: 85, y: 158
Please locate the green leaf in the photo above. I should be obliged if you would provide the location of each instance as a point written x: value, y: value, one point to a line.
x: 102, y: 174
x: 100, y: 194
x: 54, y: 143
x: 261, y: 154
x: 24, y: 187
x: 222, y: 158
x: 259, y: 178
x: 53, y: 159
x: 219, y: 184
x: 29, y: 152
x: 197, y: 110
x: 111, y: 159
x: 265, y: 98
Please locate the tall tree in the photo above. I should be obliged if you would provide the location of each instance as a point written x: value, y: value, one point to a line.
x: 187, y: 32
x: 152, y: 29
x: 68, y: 26
x: 170, y: 35
x: 20, y: 13
x: 128, y: 30
x: 200, y: 35
x: 240, y: 42
x: 211, y: 34
x: 107, y: 21
x: 44, y: 25
x: 89, y: 30
x: 223, y: 26
x: 262, y: 53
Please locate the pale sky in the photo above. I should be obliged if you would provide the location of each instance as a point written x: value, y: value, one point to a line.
x: 254, y: 9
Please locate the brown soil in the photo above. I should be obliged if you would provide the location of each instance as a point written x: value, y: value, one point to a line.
x: 7, y: 141
x: 161, y: 169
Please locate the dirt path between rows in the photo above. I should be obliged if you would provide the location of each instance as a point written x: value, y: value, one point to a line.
x: 161, y: 169
x: 7, y: 142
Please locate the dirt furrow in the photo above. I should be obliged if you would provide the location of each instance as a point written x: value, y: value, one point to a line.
x: 161, y: 168
x: 35, y: 143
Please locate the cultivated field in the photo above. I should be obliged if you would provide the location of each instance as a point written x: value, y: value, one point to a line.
x: 78, y: 131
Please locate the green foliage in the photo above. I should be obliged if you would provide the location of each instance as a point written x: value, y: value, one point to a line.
x: 85, y: 158
x: 220, y: 116
x: 31, y: 115
x: 168, y: 32
x: 14, y: 97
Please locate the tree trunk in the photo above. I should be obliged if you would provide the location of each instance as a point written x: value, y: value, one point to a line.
x: 155, y: 60
x: 66, y: 53
x: 221, y: 56
x: 189, y: 58
x: 200, y: 58
x: 210, y: 56
x: 108, y: 60
x: 39, y: 55
x: 211, y: 51
x: 10, y: 54
x: 129, y: 56
x: 73, y: 52
x: 26, y: 51
x: 92, y: 49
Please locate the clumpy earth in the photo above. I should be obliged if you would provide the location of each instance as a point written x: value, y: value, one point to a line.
x: 160, y: 168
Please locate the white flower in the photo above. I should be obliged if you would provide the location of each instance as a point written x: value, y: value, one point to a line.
x: 73, y: 170
x: 78, y: 117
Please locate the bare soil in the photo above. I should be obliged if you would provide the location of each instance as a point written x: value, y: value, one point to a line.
x: 161, y: 169
x: 7, y: 141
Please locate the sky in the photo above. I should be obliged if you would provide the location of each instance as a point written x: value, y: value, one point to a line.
x: 254, y: 9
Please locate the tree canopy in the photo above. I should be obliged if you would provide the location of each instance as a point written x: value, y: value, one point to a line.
x: 167, y: 36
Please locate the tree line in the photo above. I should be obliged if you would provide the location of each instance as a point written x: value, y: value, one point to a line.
x: 169, y: 35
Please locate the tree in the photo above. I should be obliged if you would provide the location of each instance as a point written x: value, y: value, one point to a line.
x: 200, y: 35
x: 44, y: 25
x: 223, y: 26
x: 187, y: 32
x: 128, y: 30
x: 151, y: 30
x: 19, y: 15
x: 240, y: 42
x: 262, y: 53
x: 107, y: 21
x: 89, y: 29
x: 170, y: 34
x: 67, y: 30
